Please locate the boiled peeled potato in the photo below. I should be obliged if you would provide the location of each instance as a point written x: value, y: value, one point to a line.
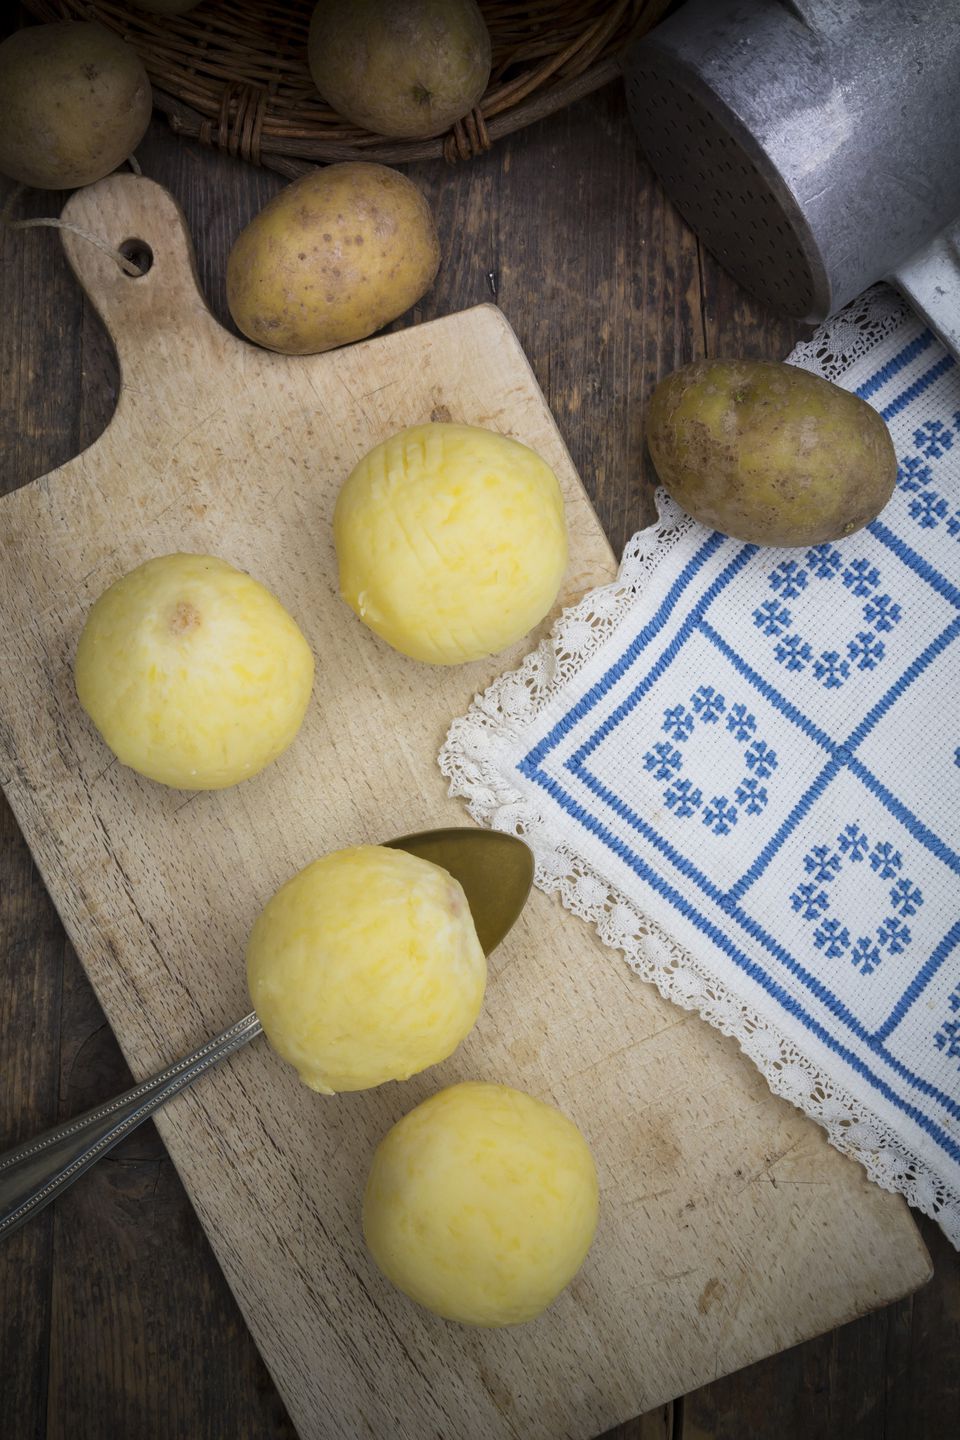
x: 769, y: 453
x: 193, y: 673
x: 332, y: 258
x: 366, y: 967
x: 481, y: 1204
x: 75, y: 101
x: 451, y: 541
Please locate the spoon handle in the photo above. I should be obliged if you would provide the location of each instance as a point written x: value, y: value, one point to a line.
x: 34, y: 1173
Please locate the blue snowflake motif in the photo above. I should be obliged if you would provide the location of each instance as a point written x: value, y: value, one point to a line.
x: 866, y: 651
x: 824, y: 561
x: 954, y: 1001
x: 885, y: 860
x: 933, y: 439
x: 720, y: 816
x: 741, y: 723
x: 894, y: 934
x: 913, y: 474
x: 708, y: 704
x: 928, y: 509
x: 830, y: 670
x: 948, y: 1038
x: 794, y: 652
x: 865, y: 955
x: 810, y: 902
x: 853, y: 842
x: 771, y: 617
x: 832, y: 938
x: 761, y: 759
x: 678, y: 722
x: 953, y: 525
x: 789, y: 578
x: 906, y: 898
x: 663, y: 760
x: 822, y: 863
x: 751, y: 795
x: 861, y: 577
x: 881, y: 612
x: 683, y: 799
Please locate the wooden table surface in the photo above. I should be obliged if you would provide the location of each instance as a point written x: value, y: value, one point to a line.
x: 114, y: 1318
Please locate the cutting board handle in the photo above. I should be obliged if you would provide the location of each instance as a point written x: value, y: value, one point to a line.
x: 157, y: 320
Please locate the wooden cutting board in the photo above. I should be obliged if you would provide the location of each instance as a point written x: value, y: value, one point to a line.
x: 729, y: 1227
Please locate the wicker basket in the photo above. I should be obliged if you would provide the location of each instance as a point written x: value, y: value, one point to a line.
x: 233, y: 73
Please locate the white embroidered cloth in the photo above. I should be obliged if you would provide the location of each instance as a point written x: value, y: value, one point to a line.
x: 743, y: 765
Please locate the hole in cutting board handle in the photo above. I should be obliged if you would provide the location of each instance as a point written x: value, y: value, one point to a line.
x: 138, y: 252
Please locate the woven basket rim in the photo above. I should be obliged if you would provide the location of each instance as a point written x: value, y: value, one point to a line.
x: 233, y: 74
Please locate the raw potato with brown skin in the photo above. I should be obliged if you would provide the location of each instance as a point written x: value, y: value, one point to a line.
x: 404, y: 68
x: 335, y: 256
x: 75, y: 101
x: 768, y: 453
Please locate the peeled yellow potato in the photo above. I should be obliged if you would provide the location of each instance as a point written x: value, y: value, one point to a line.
x: 366, y: 967
x: 451, y: 541
x: 193, y: 672
x: 481, y: 1204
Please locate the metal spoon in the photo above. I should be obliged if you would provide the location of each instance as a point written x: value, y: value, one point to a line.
x: 496, y: 872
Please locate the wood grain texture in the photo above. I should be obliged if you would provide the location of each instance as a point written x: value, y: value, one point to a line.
x: 499, y: 215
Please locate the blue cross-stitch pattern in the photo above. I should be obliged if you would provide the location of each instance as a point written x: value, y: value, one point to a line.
x: 809, y: 901
x: 933, y: 438
x: 928, y: 509
x: 793, y: 652
x: 832, y: 938
x: 741, y: 723
x: 868, y: 581
x: 948, y: 1038
x: 831, y: 669
x: 860, y: 577
x: 853, y: 842
x: 881, y: 612
x: 772, y: 618
x: 708, y: 704
x: 866, y: 651
x: 682, y: 796
x: 720, y: 816
x: 678, y: 722
x: 761, y: 759
x: 865, y: 955
x: 789, y: 579
x: 825, y: 561
x: 822, y: 863
x: 751, y: 795
x: 663, y: 760
x: 912, y: 474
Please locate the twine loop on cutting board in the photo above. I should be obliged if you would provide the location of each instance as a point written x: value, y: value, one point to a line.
x: 52, y: 222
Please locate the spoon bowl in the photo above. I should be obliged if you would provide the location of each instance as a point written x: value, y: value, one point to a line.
x: 495, y: 871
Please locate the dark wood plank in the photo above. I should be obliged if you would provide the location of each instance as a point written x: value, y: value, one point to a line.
x: 116, y: 1319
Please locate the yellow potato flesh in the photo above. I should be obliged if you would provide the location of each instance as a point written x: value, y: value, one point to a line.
x: 366, y: 967
x: 481, y: 1204
x: 193, y: 672
x: 451, y: 541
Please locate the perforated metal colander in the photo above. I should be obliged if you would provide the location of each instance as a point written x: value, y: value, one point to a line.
x: 814, y: 146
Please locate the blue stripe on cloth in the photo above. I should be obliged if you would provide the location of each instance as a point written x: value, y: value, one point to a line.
x: 764, y: 980
x: 920, y: 982
x: 894, y: 365
x: 643, y: 638
x: 918, y: 387
x: 915, y: 562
